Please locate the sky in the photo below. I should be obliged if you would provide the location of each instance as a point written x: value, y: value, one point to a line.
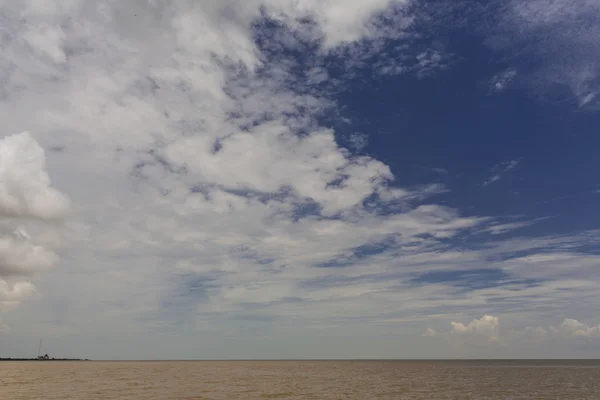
x: 268, y: 179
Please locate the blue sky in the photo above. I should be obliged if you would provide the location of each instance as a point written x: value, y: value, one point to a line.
x: 300, y: 179
x: 450, y: 129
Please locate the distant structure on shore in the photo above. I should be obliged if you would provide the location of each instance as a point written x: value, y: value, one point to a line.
x: 39, y: 349
x: 45, y: 357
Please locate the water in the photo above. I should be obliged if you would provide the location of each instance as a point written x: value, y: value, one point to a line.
x: 301, y: 380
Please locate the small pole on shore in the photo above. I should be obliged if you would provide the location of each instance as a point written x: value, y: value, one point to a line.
x: 39, y: 348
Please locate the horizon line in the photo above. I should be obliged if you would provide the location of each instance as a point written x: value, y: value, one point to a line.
x: 329, y: 359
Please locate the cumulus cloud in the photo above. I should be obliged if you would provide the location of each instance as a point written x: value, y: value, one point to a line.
x: 12, y: 295
x: 25, y: 189
x: 430, y: 332
x: 569, y: 330
x: 576, y: 328
x: 20, y: 256
x: 25, y: 194
x: 314, y: 168
x: 486, y: 326
x: 537, y: 332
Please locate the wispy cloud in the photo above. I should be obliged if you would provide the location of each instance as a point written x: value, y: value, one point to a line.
x: 358, y: 141
x: 498, y: 227
x: 500, y: 170
x: 501, y: 81
x: 555, y: 35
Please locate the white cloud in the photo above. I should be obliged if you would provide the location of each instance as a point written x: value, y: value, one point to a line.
x: 576, y: 328
x: 358, y: 141
x: 272, y: 158
x: 537, y: 332
x: 430, y: 332
x: 25, y: 189
x: 177, y: 140
x: 499, y: 170
x: 26, y: 196
x: 13, y: 295
x: 486, y: 326
x: 498, y: 229
x: 20, y: 256
x: 514, y: 339
x: 341, y: 21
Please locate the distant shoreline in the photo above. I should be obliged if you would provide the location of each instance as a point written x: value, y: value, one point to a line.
x: 49, y: 359
x: 326, y: 360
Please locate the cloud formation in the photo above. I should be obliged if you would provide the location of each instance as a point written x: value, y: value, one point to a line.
x: 499, y: 170
x: 501, y: 81
x: 12, y: 295
x: 577, y: 328
x: 25, y: 189
x: 207, y: 194
x: 556, y: 36
x: 358, y: 141
x: 25, y: 194
x: 430, y: 332
x: 486, y: 326
x: 204, y: 149
x: 489, y: 327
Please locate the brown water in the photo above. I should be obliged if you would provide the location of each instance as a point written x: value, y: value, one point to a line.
x: 301, y: 380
